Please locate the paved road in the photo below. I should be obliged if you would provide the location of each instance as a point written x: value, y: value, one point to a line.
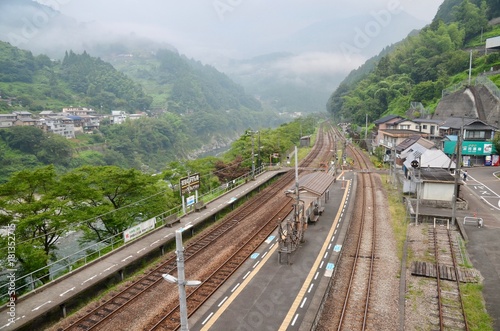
x: 483, y: 194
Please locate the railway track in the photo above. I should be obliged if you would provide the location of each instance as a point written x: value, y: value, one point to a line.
x: 450, y: 308
x: 356, y: 301
x: 94, y: 319
x: 272, y: 198
x: 171, y: 320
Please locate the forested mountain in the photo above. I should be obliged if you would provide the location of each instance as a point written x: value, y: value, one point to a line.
x: 448, y: 9
x: 38, y: 83
x: 419, y: 67
x: 183, y: 85
x: 103, y: 85
x: 195, y: 108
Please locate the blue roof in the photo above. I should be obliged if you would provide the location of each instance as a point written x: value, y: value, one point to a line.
x: 74, y: 117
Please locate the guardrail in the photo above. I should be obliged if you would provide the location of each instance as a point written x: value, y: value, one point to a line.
x: 477, y: 221
x: 33, y: 280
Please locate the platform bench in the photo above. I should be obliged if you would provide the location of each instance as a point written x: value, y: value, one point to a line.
x: 199, y: 206
x: 171, y: 220
x: 314, y: 218
x: 321, y: 210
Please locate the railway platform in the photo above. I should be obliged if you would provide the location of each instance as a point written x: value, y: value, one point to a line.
x: 267, y: 295
x: 55, y: 299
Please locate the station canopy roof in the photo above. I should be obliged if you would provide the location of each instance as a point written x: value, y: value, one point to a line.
x: 316, y: 182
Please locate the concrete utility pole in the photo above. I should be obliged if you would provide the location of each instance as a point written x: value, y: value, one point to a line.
x: 458, y: 167
x: 253, y: 159
x: 470, y: 67
x: 366, y: 130
x: 418, y: 190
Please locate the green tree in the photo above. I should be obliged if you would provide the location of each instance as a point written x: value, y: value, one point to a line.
x: 30, y: 200
x: 23, y: 138
x: 109, y: 199
x: 471, y: 18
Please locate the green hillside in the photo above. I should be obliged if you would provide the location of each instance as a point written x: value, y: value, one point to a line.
x: 191, y: 107
x: 419, y: 67
x: 38, y: 83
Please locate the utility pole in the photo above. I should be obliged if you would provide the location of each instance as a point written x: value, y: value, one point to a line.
x: 470, y: 67
x: 458, y: 167
x: 393, y: 154
x: 253, y: 157
x: 418, y: 190
x: 259, y: 163
x: 366, y: 130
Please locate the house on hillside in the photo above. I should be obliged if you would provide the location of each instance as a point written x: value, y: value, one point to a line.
x: 78, y: 111
x: 46, y: 113
x: 7, y: 120
x: 118, y: 116
x: 23, y: 114
x: 58, y: 125
x: 26, y: 121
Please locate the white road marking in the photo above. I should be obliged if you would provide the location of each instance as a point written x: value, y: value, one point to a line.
x: 234, y: 288
x: 222, y: 302
x: 71, y: 289
x: 206, y: 319
x: 88, y: 280
x: 114, y: 265
x: 46, y: 303
x: 303, y: 302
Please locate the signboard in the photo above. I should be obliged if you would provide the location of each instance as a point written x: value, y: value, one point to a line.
x: 190, y: 200
x: 139, y: 229
x: 471, y: 148
x: 189, y: 183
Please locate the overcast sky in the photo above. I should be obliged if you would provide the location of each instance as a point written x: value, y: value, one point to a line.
x: 228, y: 26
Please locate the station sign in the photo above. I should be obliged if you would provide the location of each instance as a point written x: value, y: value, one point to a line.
x: 189, y: 183
x: 190, y: 200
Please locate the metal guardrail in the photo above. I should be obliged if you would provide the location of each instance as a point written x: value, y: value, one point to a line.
x: 484, y: 80
x: 33, y: 280
x: 477, y: 221
x: 454, y: 88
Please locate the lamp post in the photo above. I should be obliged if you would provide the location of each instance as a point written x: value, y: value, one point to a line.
x: 181, y: 280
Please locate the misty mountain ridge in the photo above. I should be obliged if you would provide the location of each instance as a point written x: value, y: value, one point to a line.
x: 312, y: 62
x: 41, y: 29
x: 309, y: 64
